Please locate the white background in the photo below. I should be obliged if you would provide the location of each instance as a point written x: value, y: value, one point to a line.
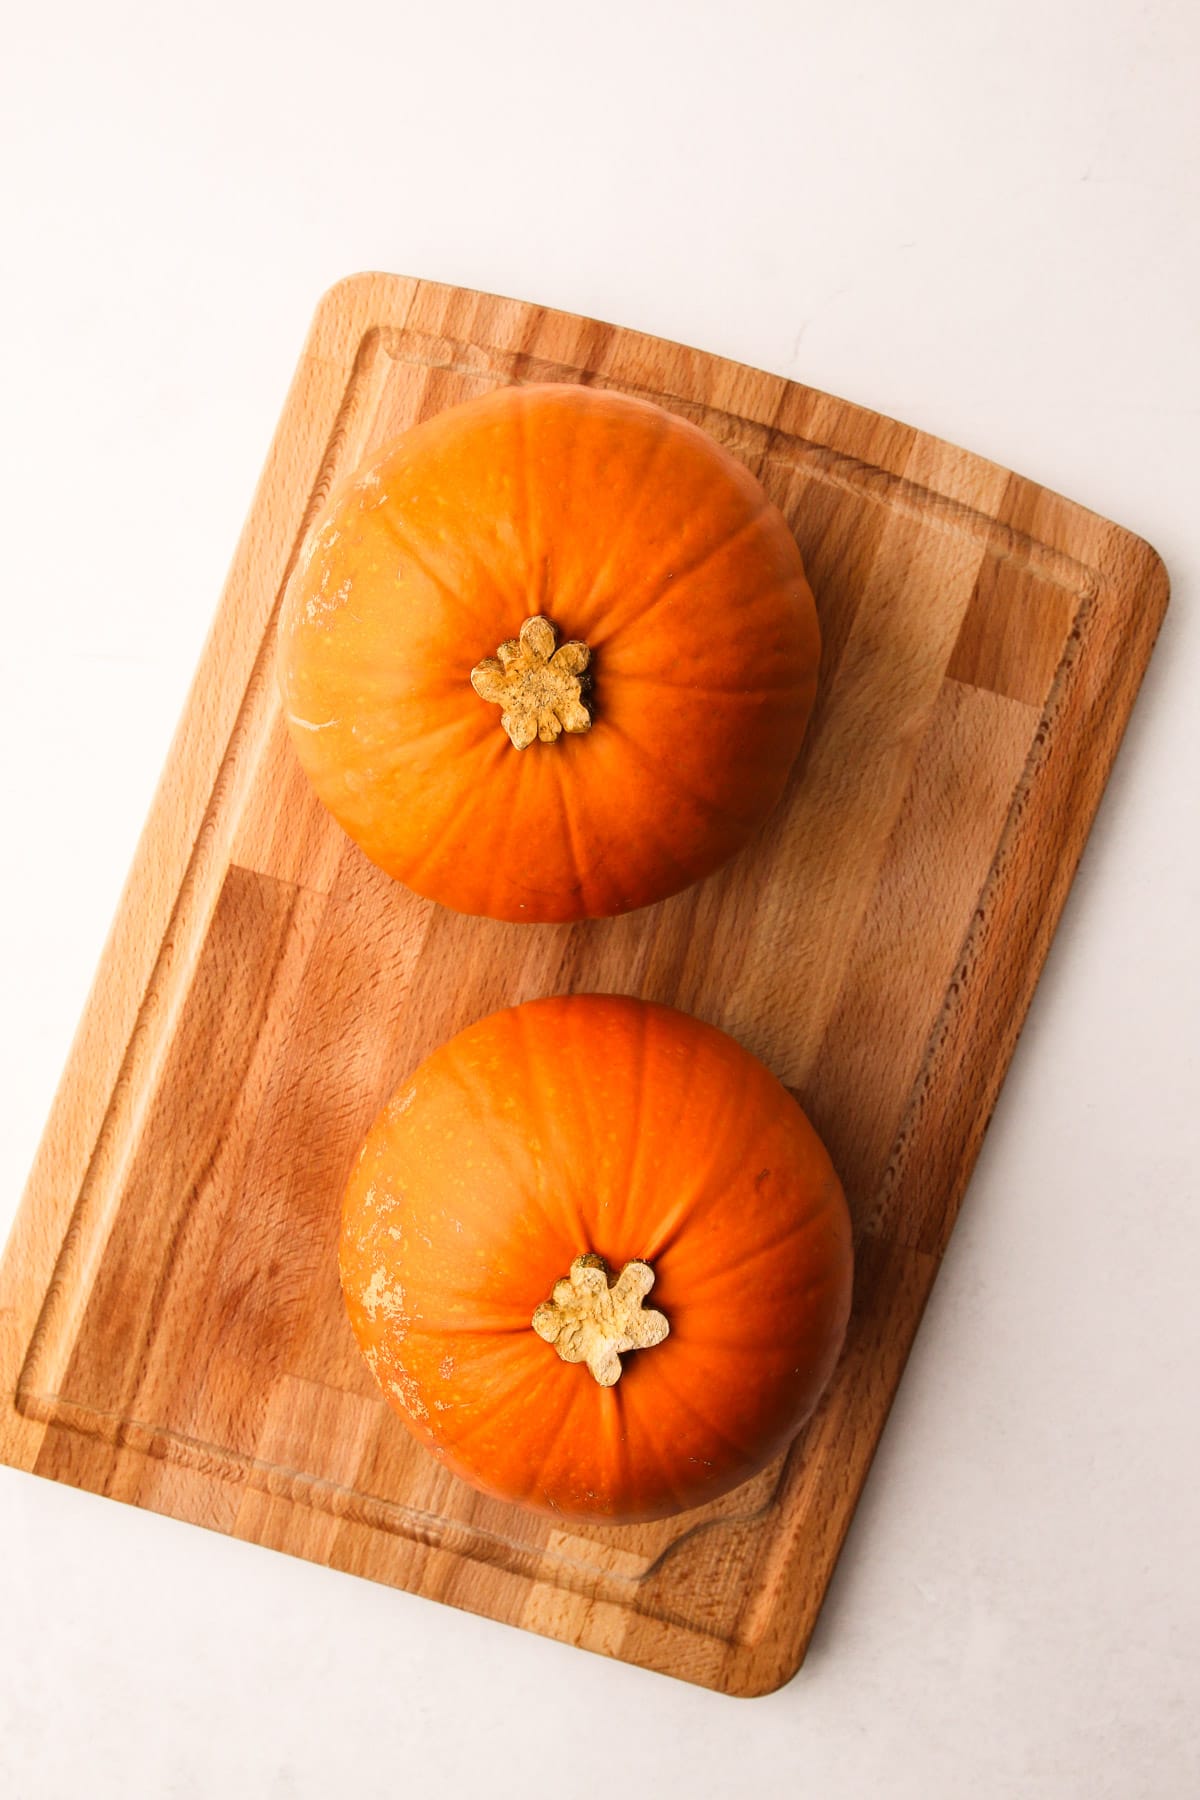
x: 980, y: 219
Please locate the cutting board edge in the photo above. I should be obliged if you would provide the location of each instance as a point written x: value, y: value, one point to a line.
x: 351, y: 296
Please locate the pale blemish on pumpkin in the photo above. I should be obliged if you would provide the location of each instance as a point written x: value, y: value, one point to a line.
x: 399, y: 1104
x: 322, y: 606
x: 394, y: 1233
x: 446, y: 1367
x: 409, y: 1395
x: 319, y: 540
x: 371, y: 483
x: 311, y: 724
x: 378, y: 1297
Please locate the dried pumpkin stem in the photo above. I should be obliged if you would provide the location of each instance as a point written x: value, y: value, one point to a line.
x: 592, y: 1317
x: 539, y: 687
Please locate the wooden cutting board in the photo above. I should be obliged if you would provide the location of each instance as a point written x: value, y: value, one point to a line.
x: 171, y: 1329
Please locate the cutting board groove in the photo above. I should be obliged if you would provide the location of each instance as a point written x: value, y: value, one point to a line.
x: 171, y: 1332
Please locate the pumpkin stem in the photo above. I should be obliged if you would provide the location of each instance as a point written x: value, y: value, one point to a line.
x: 539, y: 687
x: 592, y: 1316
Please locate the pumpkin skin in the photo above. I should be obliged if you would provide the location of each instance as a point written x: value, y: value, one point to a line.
x: 606, y: 1125
x: 632, y: 531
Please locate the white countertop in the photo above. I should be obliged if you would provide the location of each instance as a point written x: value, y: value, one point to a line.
x: 984, y: 221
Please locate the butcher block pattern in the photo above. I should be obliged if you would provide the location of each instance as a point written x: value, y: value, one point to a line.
x: 171, y: 1329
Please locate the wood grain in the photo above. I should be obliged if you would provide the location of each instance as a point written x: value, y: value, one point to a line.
x: 171, y: 1331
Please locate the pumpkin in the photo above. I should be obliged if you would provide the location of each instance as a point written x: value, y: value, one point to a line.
x: 550, y: 655
x: 597, y: 1258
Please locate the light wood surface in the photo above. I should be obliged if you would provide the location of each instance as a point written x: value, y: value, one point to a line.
x: 171, y: 1331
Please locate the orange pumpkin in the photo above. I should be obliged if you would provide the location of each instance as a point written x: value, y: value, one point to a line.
x: 597, y: 1258
x: 550, y: 656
